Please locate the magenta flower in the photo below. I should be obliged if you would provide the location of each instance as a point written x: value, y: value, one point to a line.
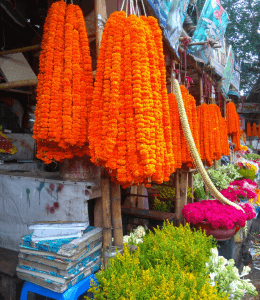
x: 52, y: 210
x: 217, y: 214
x: 52, y: 187
x: 56, y: 205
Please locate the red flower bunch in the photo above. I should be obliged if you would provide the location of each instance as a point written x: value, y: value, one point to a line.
x: 217, y: 214
x: 237, y: 193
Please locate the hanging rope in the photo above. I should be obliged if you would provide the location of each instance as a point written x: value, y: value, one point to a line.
x: 144, y: 8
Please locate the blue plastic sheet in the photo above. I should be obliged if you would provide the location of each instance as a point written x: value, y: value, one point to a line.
x: 211, y: 26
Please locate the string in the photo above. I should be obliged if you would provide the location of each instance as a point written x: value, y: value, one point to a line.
x: 122, y: 5
x: 137, y: 8
x: 144, y: 8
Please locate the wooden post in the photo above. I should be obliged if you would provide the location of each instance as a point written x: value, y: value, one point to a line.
x: 183, y: 198
x: 215, y: 164
x: 102, y: 206
x: 116, y: 214
x: 133, y: 190
x: 100, y: 12
x: 201, y: 89
x: 190, y: 184
x: 140, y: 200
x: 106, y: 209
x: 177, y: 197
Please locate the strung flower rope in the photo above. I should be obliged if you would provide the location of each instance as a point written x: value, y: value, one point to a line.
x: 248, y: 130
x: 65, y: 85
x: 133, y: 139
x: 233, y: 124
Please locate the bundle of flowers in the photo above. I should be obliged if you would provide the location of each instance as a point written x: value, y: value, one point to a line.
x: 237, y: 193
x: 233, y: 124
x: 135, y: 237
x: 254, y: 130
x: 225, y: 276
x: 248, y: 130
x: 65, y: 85
x: 243, y: 163
x: 130, y: 128
x: 217, y: 214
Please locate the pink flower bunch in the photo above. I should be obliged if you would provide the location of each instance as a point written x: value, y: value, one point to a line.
x: 243, y: 181
x: 217, y: 214
x: 237, y: 193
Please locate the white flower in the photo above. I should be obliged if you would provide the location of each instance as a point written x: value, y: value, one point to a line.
x: 245, y: 271
x: 126, y: 239
x: 212, y: 275
x: 139, y: 241
x: 139, y: 232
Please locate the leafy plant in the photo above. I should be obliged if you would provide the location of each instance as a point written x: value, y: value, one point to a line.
x: 169, y: 264
x: 252, y: 156
x: 163, y: 206
x: 247, y: 173
x: 166, y: 191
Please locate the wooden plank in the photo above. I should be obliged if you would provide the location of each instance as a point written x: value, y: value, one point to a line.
x: 177, y: 196
x: 147, y: 214
x: 8, y: 261
x: 24, y: 49
x: 19, y: 83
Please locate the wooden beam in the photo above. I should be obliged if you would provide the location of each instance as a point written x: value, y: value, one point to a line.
x: 25, y: 49
x: 19, y: 83
x: 140, y: 198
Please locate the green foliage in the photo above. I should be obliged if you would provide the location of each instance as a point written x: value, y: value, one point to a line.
x: 163, y: 206
x: 247, y: 173
x: 252, y: 156
x: 169, y: 264
x: 166, y: 191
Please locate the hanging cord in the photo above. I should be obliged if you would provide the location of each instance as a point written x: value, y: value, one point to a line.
x: 123, y: 4
x: 144, y: 8
x: 137, y: 8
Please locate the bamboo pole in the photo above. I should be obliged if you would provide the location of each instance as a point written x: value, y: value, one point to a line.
x: 201, y: 89
x: 104, y: 201
x: 25, y: 49
x: 116, y: 214
x: 19, y: 83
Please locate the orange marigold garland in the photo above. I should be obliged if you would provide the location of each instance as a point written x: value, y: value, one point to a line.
x: 64, y: 85
x: 233, y: 124
x: 136, y: 150
x: 248, y: 130
x: 224, y: 137
x: 254, y: 131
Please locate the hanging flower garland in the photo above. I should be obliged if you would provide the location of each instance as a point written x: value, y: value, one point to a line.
x: 248, y: 130
x: 129, y: 125
x: 254, y: 131
x: 65, y: 85
x: 233, y: 124
x: 224, y: 137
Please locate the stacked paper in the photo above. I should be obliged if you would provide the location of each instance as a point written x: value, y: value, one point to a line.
x: 61, y: 263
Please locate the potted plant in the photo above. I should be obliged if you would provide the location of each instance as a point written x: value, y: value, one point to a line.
x: 219, y: 220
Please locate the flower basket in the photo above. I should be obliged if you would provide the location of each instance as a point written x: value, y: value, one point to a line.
x: 219, y: 234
